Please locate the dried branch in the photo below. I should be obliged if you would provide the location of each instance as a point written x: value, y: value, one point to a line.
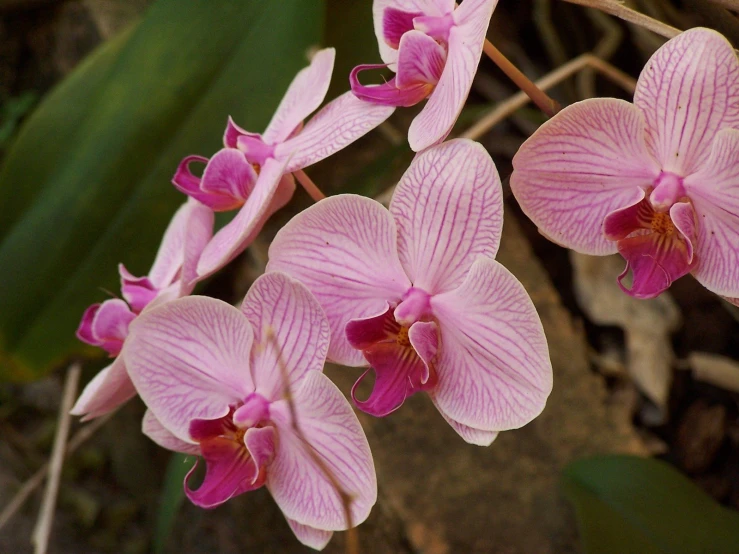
x: 310, y: 187
x: 41, y: 532
x: 352, y: 540
x: 617, y: 9
x: 79, y: 438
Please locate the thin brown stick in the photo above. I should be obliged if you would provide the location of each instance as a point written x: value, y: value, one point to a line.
x: 79, y: 438
x: 41, y: 532
x: 310, y: 187
x: 352, y: 539
x: 546, y: 104
x: 517, y: 101
x: 617, y: 9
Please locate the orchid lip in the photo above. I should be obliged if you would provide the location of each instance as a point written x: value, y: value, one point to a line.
x: 388, y: 94
x: 255, y: 149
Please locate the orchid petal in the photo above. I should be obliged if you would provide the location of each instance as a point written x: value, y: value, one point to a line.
x: 316, y: 539
x: 344, y: 249
x: 233, y: 132
x: 199, y: 234
x: 334, y: 434
x: 581, y: 165
x: 153, y: 428
x: 420, y: 60
x: 109, y: 389
x: 395, y: 23
x: 233, y: 238
x: 471, y: 435
x: 714, y: 191
x: 305, y: 94
x: 466, y: 39
x: 335, y: 126
x: 137, y: 291
x: 260, y: 442
x: 449, y: 210
x: 493, y: 369
x: 229, y: 176
x: 387, y: 94
x: 189, y: 359
x: 388, y: 53
x: 106, y: 325
x: 285, y: 315
x: 688, y: 91
x: 183, y: 240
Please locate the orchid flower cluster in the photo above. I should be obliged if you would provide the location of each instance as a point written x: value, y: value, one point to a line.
x: 411, y: 293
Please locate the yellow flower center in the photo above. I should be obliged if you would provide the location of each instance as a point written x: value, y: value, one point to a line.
x: 402, y: 338
x: 662, y: 224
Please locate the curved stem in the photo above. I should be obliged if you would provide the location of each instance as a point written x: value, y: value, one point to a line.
x: 310, y: 187
x: 546, y: 104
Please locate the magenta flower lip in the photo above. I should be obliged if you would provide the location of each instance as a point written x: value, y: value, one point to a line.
x: 654, y: 180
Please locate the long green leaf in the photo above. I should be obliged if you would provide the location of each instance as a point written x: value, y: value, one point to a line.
x: 171, y: 498
x: 87, y: 184
x: 627, y: 504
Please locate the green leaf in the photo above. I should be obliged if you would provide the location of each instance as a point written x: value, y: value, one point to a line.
x: 86, y: 185
x: 628, y: 504
x: 170, y: 501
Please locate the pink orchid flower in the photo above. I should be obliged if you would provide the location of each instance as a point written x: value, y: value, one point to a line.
x: 252, y: 173
x: 655, y: 180
x: 434, y: 48
x: 215, y: 386
x: 106, y: 325
x: 415, y: 293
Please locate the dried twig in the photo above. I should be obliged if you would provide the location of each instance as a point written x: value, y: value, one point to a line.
x: 621, y: 11
x: 506, y: 108
x: 41, y: 532
x: 310, y: 187
x: 352, y: 540
x: 79, y: 438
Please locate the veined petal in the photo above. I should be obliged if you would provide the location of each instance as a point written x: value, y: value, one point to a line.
x: 188, y: 183
x: 332, y: 430
x: 305, y: 94
x: 199, y: 234
x: 688, y: 91
x: 284, y: 309
x: 316, y: 539
x: 395, y: 23
x: 335, y: 126
x: 153, y: 428
x: 137, y: 291
x: 388, y: 53
x: 106, y: 325
x: 714, y: 191
x: 449, y: 210
x: 587, y: 161
x: 471, y: 435
x: 234, y: 237
x: 420, y: 60
x: 228, y: 176
x: 466, y: 39
x: 344, y: 249
x: 190, y: 224
x: 233, y: 132
x: 189, y: 359
x: 493, y: 368
x: 109, y: 389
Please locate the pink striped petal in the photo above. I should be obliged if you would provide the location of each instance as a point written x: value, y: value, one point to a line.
x: 587, y: 161
x: 387, y: 94
x: 332, y: 430
x: 137, y: 291
x: 420, y: 60
x: 466, y: 38
x: 395, y: 23
x: 338, y: 124
x: 714, y: 191
x: 235, y: 236
x: 109, y: 389
x: 493, y: 369
x: 305, y: 94
x: 283, y: 309
x: 183, y: 241
x: 389, y: 53
x: 233, y: 132
x: 106, y: 325
x: 189, y: 359
x: 471, y: 435
x: 152, y: 428
x: 449, y: 210
x: 316, y: 539
x: 229, y: 176
x: 344, y: 249
x: 688, y: 91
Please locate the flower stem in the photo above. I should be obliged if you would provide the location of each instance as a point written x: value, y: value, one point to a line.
x: 310, y: 187
x: 546, y: 104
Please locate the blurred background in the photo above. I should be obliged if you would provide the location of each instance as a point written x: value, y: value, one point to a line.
x: 100, y: 99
